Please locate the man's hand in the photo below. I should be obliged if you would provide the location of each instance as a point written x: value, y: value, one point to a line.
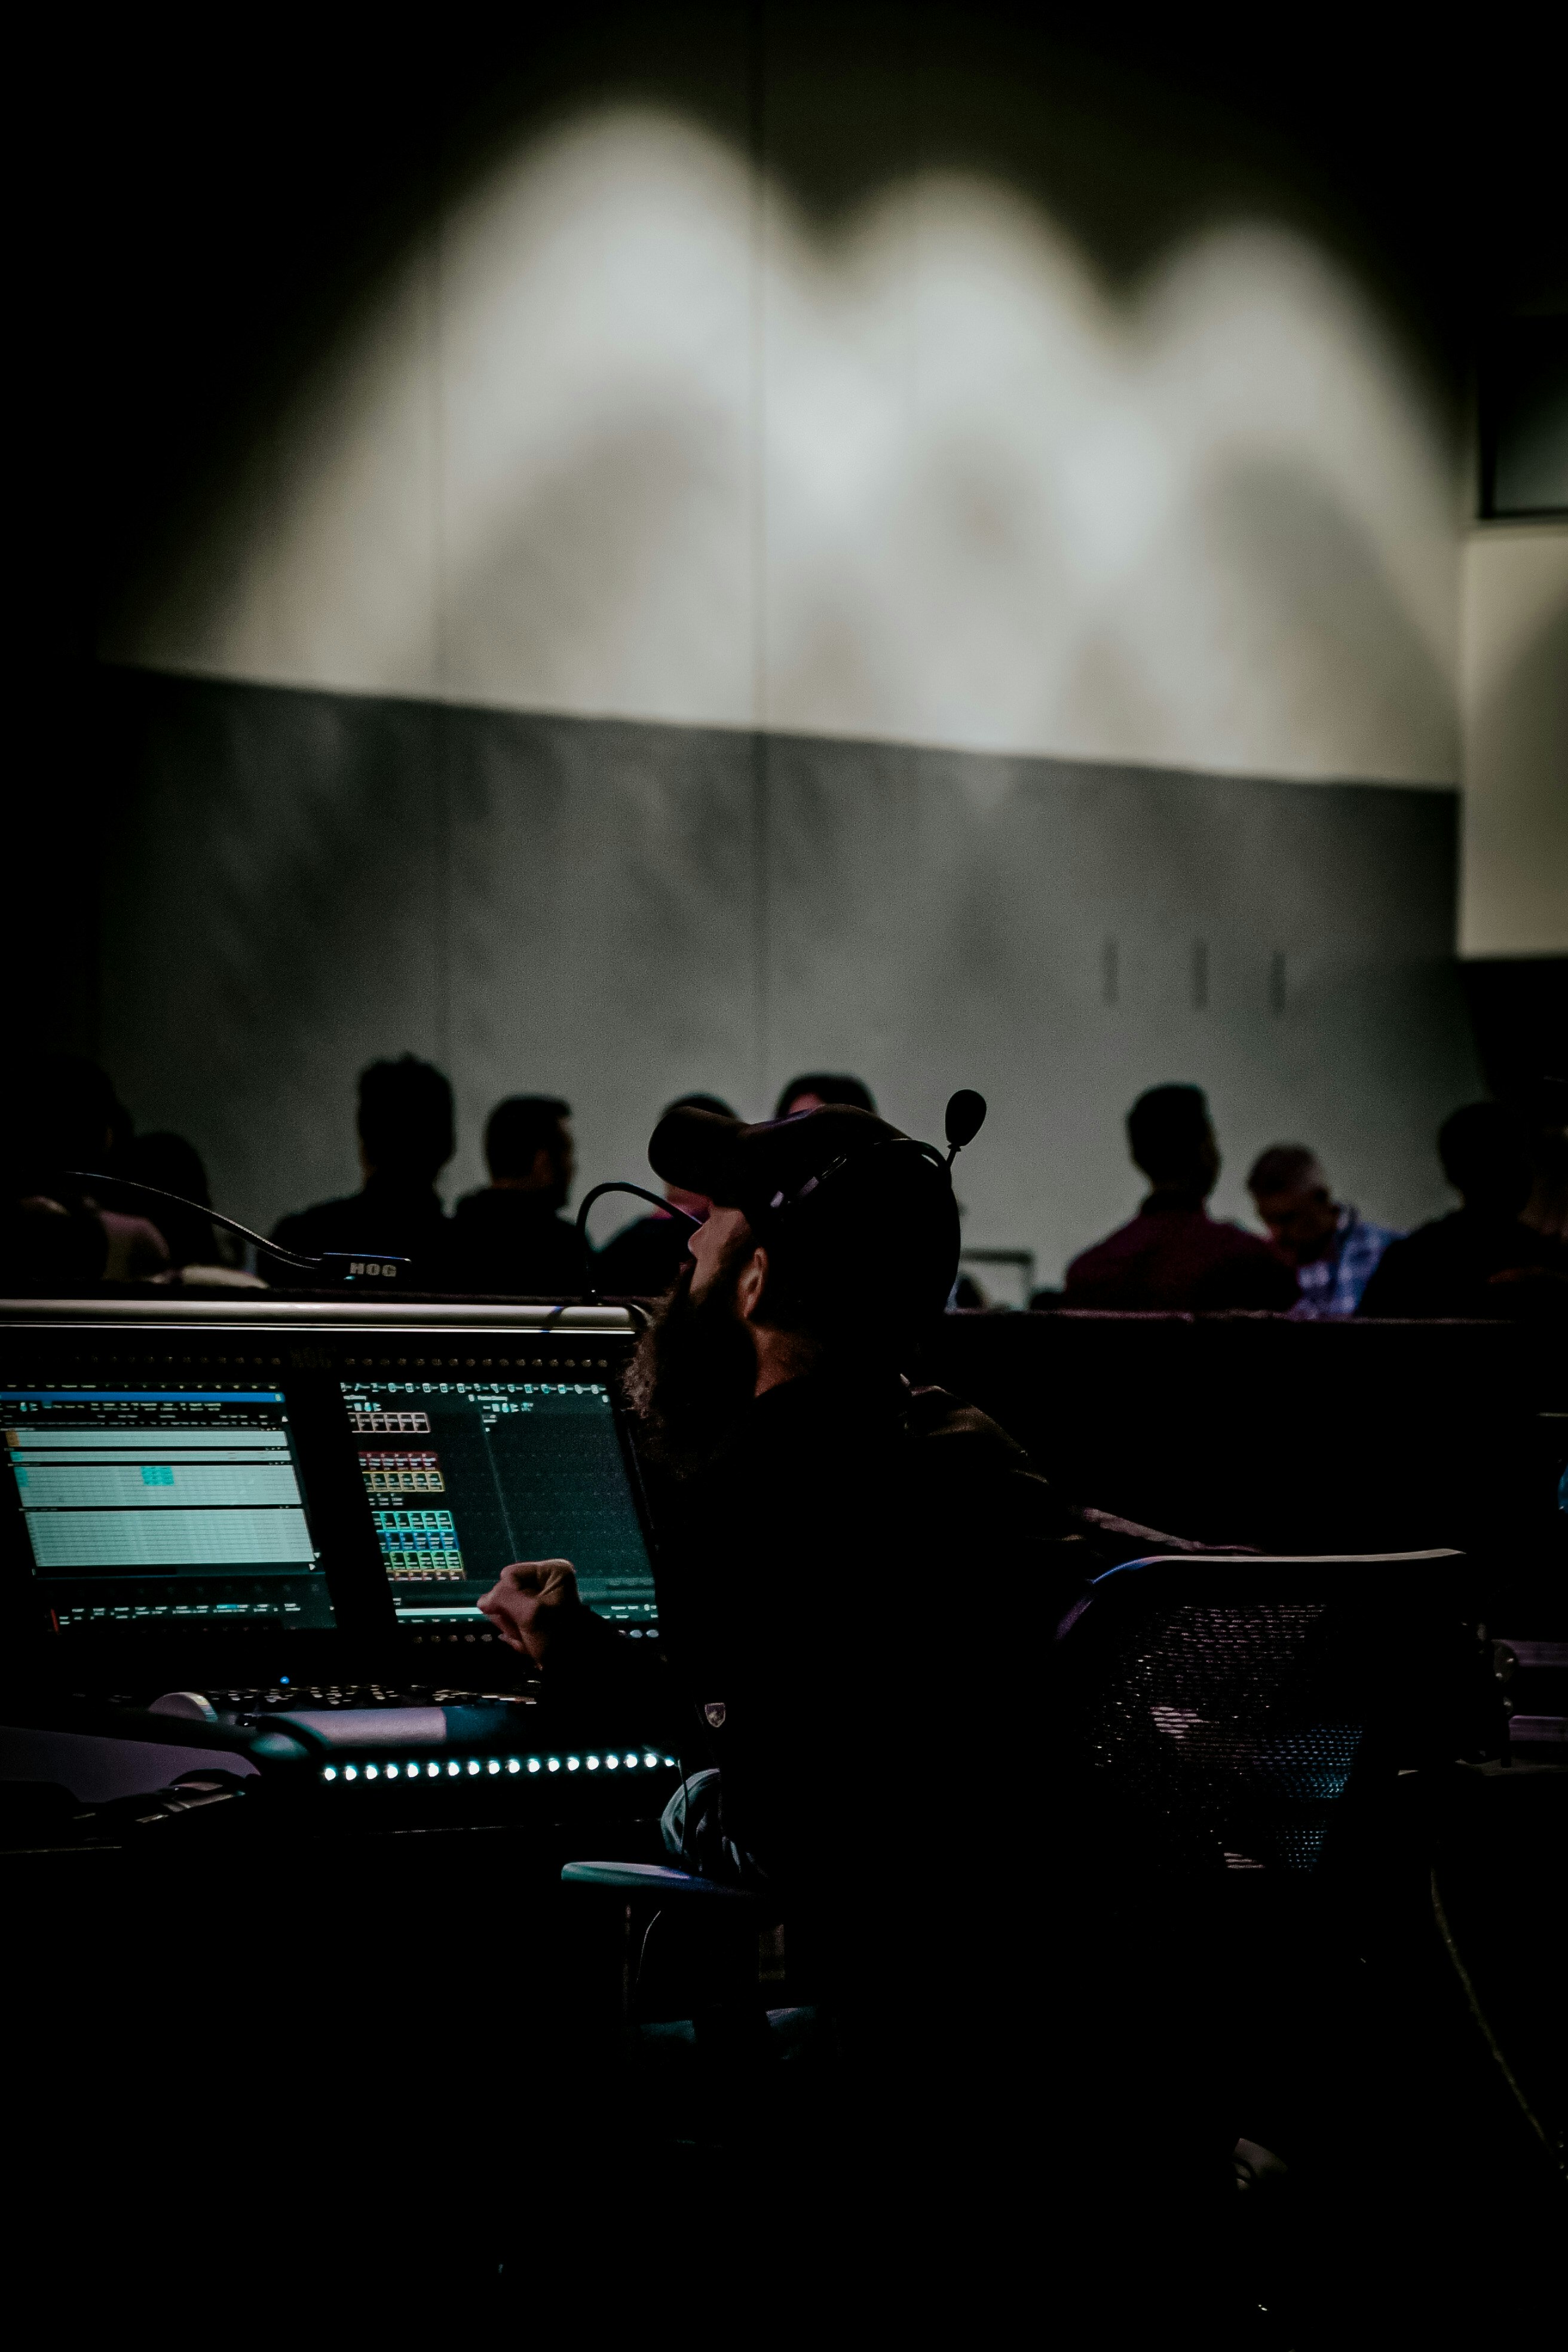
x: 528, y: 1603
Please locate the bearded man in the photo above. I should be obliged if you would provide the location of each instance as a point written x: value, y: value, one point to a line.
x: 859, y: 1579
x: 859, y: 1582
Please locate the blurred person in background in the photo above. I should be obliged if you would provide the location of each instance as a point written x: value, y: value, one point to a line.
x: 407, y: 1136
x: 1547, y: 1114
x: 1334, y: 1248
x: 645, y: 1258
x: 1174, y: 1258
x: 66, y: 1116
x: 1481, y: 1260
x: 510, y: 1236
x: 48, y: 1248
x: 199, y: 1251
x: 817, y: 1088
x: 172, y: 1165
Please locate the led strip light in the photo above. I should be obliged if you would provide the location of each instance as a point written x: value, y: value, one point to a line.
x: 426, y: 1769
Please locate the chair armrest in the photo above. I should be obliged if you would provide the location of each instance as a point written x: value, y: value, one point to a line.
x: 630, y: 1879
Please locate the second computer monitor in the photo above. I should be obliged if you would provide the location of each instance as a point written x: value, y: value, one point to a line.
x: 463, y: 1477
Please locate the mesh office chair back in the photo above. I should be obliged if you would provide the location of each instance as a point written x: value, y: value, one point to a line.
x: 1217, y: 1713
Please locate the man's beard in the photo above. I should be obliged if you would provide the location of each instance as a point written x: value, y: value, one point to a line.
x: 693, y: 1373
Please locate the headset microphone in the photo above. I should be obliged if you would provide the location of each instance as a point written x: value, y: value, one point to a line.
x: 965, y: 1117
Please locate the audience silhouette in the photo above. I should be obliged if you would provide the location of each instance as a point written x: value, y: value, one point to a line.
x: 60, y: 1228
x: 817, y: 1088
x: 405, y: 1138
x: 1481, y: 1259
x: 170, y: 1164
x: 1173, y: 1255
x: 1334, y: 1248
x: 510, y: 1236
x: 65, y: 1230
x: 1546, y: 1110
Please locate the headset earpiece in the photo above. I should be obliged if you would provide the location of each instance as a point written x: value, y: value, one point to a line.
x: 916, y: 1212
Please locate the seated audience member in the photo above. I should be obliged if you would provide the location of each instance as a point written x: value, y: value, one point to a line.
x: 1547, y: 1208
x: 1175, y: 1256
x: 172, y: 1165
x: 200, y: 1252
x: 817, y: 1088
x: 70, y: 1118
x: 644, y: 1257
x: 405, y: 1139
x: 48, y: 1248
x: 1482, y: 1259
x: 1334, y: 1248
x: 512, y: 1236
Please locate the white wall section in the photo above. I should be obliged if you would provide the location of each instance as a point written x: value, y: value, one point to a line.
x: 1514, y: 676
x: 626, y: 435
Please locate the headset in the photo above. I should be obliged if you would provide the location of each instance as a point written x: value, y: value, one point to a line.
x: 963, y: 1119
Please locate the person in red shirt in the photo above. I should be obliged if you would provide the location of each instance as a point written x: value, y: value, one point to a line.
x: 1174, y: 1258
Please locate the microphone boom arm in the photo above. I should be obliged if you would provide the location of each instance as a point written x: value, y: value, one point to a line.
x: 641, y: 1192
x: 154, y: 1192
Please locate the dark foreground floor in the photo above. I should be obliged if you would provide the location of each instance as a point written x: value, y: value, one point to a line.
x: 282, y: 2084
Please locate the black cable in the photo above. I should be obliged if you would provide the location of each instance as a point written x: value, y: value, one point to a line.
x: 1493, y: 2045
x: 231, y: 1224
x: 667, y: 1207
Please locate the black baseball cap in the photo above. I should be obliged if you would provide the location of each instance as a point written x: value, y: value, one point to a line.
x: 818, y: 1187
x: 760, y: 1167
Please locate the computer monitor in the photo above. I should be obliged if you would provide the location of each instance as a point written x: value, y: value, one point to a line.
x: 274, y: 1491
x: 463, y: 1476
x: 167, y: 1506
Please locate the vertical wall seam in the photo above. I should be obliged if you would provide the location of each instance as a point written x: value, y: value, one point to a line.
x: 762, y: 880
x: 443, y: 747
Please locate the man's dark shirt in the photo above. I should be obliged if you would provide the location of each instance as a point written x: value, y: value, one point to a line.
x: 514, y: 1243
x: 857, y: 1601
x: 1444, y: 1268
x: 403, y: 1219
x: 644, y: 1259
x: 1174, y: 1257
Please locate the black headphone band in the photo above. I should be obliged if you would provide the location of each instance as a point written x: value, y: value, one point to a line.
x: 782, y: 1201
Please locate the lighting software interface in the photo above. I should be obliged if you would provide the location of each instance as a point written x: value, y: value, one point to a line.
x: 163, y: 1504
x: 463, y: 1477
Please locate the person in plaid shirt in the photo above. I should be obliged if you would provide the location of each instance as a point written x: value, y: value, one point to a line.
x: 1332, y: 1247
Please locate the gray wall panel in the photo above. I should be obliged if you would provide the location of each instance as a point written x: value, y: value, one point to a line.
x: 604, y: 924
x: 295, y: 882
x: 939, y: 918
x: 274, y: 913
